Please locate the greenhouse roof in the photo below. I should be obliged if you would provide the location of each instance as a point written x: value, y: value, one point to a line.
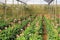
x: 29, y: 1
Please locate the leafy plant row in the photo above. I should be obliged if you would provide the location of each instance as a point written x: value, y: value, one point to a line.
x: 10, y: 33
x: 31, y: 32
x: 52, y: 33
x: 4, y: 23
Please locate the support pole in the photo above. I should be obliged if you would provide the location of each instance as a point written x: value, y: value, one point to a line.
x: 5, y: 7
x: 18, y: 9
x: 12, y: 8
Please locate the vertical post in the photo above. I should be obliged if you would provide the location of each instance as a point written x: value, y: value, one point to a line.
x: 57, y: 15
x: 53, y: 7
x: 56, y: 8
x: 17, y: 9
x: 40, y: 10
x: 12, y: 7
x: 22, y: 9
x: 5, y: 9
x: 53, y: 11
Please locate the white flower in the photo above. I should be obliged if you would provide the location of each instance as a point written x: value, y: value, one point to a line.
x: 21, y: 29
x: 5, y: 27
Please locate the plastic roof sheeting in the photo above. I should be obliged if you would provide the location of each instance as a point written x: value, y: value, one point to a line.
x: 2, y: 1
x: 29, y: 1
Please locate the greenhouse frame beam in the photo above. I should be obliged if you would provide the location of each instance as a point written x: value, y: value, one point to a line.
x: 22, y: 2
x: 49, y: 1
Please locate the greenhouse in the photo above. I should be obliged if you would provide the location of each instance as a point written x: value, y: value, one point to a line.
x: 29, y: 19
